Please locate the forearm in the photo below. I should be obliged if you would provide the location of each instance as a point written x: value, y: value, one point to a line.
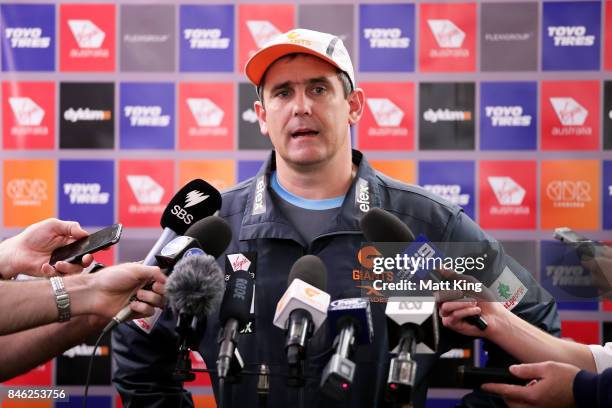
x: 25, y: 350
x: 26, y: 304
x: 529, y: 344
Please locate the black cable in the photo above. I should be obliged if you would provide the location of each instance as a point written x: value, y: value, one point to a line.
x: 221, y: 392
x: 89, y: 369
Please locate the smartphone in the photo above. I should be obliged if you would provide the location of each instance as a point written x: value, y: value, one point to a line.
x: 583, y: 245
x: 74, y: 251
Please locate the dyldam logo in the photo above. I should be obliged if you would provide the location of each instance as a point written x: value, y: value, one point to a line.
x: 450, y: 192
x: 386, y: 37
x: 205, y: 38
x: 262, y: 31
x: 249, y: 115
x: 385, y: 112
x: 569, y: 111
x: 507, y: 116
x: 26, y: 37
x: 569, y: 193
x: 85, y: 350
x: 86, y: 193
x: 446, y: 33
x: 146, y: 116
x: 446, y: 115
x: 86, y: 33
x: 87, y: 115
x: 26, y: 111
x: 570, y: 36
x: 507, y: 191
x: 205, y: 112
x: 27, y: 192
x: 145, y: 189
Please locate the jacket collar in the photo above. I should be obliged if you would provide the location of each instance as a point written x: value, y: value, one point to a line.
x: 262, y: 219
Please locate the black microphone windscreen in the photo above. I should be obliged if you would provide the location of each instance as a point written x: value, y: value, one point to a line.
x: 213, y: 233
x: 195, y: 286
x: 310, y: 269
x: 237, y: 299
x: 379, y: 225
x: 196, y: 200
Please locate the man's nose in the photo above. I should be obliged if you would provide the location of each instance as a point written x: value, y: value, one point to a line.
x: 302, y: 104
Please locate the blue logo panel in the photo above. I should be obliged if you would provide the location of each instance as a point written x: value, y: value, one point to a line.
x: 248, y: 169
x: 386, y: 37
x: 28, y: 37
x: 508, y: 115
x: 86, y: 191
x: 207, y: 38
x: 453, y: 181
x: 147, y: 116
x: 563, y: 275
x: 607, y: 194
x: 570, y: 35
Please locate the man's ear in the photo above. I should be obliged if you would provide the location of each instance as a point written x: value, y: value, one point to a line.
x: 356, y: 101
x: 260, y: 111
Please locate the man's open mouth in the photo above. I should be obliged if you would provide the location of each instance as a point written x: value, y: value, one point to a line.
x: 304, y: 132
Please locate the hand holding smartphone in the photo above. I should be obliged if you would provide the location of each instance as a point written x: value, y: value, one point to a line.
x: 75, y: 251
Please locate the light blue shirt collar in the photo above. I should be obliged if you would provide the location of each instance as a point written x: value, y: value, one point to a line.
x: 325, y: 204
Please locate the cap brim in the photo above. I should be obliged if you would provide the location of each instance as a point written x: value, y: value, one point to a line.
x: 258, y: 64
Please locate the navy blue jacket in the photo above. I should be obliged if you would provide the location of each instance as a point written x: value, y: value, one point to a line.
x: 144, y: 362
x: 593, y: 390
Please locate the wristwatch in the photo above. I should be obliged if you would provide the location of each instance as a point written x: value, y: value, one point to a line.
x: 62, y: 299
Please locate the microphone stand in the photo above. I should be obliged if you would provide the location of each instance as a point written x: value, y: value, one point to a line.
x: 186, y: 327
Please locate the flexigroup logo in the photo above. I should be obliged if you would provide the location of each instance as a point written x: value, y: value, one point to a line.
x: 388, y: 122
x: 87, y: 35
x: 206, y: 115
x: 570, y: 115
x: 508, y: 115
x: 508, y: 194
x: 258, y: 24
x: 28, y: 37
x: 570, y: 35
x: 451, y: 180
x: 144, y: 189
x: 570, y: 193
x: 447, y: 34
x: 386, y: 37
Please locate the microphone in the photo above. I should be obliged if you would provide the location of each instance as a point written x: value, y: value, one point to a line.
x: 233, y: 315
x: 302, y: 310
x: 350, y: 322
x: 202, y: 200
x: 193, y: 291
x: 379, y: 225
x: 412, y: 325
x: 209, y: 235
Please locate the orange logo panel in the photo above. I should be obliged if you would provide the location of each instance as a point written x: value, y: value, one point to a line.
x: 570, y: 194
x: 221, y: 174
x: 29, y: 191
x: 402, y: 170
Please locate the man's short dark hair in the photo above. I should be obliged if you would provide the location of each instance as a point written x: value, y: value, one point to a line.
x: 347, y: 85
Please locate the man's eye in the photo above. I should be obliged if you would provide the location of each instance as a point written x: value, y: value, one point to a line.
x: 282, y: 94
x: 318, y: 90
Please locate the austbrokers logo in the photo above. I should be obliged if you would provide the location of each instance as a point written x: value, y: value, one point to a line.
x: 27, y: 112
x: 27, y: 192
x: 146, y: 116
x: 26, y: 37
x: 507, y: 116
x: 449, y: 192
x: 391, y: 37
x: 446, y: 115
x: 86, y: 115
x: 572, y: 116
x: 569, y: 193
x: 570, y: 36
x: 205, y: 38
x: 262, y: 31
x: 509, y: 195
x: 148, y: 193
x: 89, y: 38
x: 86, y: 193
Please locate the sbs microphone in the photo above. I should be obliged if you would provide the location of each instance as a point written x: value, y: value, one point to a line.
x: 193, y: 291
x: 350, y: 323
x: 196, y: 200
x: 233, y: 315
x: 379, y: 225
x: 210, y: 235
x: 302, y: 310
